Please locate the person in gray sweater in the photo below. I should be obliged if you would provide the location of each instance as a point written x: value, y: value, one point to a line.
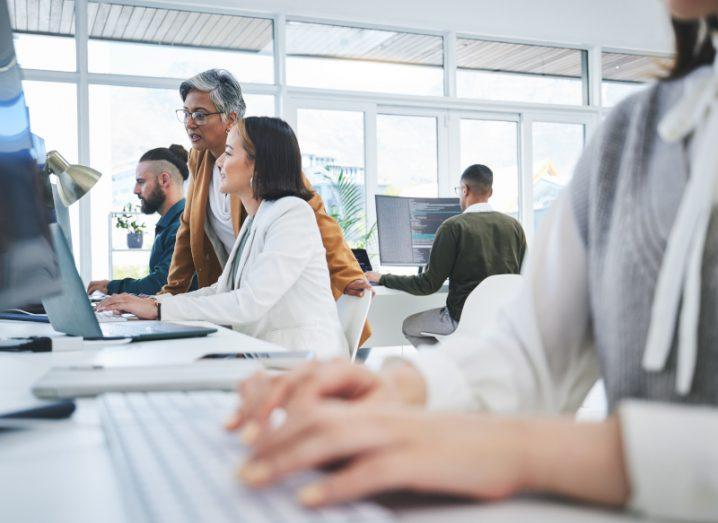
x: 467, y: 248
x: 622, y: 284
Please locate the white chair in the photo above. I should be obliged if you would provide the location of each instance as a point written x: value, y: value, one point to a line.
x: 353, y: 311
x: 482, y: 304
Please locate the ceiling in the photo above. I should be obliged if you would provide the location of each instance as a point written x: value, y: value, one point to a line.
x: 108, y: 21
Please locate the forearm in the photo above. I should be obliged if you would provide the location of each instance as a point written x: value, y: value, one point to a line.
x: 421, y: 285
x: 150, y: 284
x: 577, y: 460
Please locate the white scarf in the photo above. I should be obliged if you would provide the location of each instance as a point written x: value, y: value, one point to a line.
x: 680, y: 276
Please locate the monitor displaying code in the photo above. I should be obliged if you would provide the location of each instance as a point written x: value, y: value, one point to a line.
x: 407, y: 227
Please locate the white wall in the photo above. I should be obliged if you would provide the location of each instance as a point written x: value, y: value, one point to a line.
x: 638, y: 25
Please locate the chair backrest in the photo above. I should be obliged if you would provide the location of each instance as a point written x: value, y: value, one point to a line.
x: 353, y: 311
x: 482, y: 305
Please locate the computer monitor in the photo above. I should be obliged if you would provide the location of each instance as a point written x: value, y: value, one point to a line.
x: 28, y: 268
x: 407, y: 227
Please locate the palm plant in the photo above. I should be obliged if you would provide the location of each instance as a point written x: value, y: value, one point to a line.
x: 348, y: 209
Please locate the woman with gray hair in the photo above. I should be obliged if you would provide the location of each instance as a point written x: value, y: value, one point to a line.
x: 213, y: 102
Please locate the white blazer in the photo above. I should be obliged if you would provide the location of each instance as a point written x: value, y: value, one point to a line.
x: 282, y: 294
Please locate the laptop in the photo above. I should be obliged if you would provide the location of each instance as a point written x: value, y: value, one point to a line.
x: 363, y: 258
x: 71, y: 312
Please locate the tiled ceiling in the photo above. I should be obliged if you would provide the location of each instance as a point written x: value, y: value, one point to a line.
x: 108, y: 21
x: 631, y: 67
x: 355, y: 43
x: 487, y: 55
x: 126, y: 23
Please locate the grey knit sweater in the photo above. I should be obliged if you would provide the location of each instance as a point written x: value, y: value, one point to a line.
x: 625, y: 195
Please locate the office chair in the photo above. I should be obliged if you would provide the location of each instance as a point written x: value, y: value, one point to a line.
x: 483, y: 304
x: 353, y: 311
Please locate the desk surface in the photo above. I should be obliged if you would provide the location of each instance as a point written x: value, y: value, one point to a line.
x: 390, y: 308
x: 65, y: 473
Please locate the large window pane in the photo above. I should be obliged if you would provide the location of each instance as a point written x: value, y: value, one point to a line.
x: 625, y: 74
x: 171, y: 43
x: 356, y: 59
x: 259, y: 104
x: 54, y: 53
x: 407, y: 155
x: 494, y: 144
x: 125, y: 122
x: 53, y: 117
x: 44, y: 33
x: 332, y: 144
x: 520, y: 73
x: 556, y: 149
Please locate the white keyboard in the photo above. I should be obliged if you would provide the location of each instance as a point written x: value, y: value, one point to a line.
x: 108, y: 316
x: 178, y: 464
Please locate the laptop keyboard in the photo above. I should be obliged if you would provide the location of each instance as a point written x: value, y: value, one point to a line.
x: 108, y: 316
x: 178, y: 464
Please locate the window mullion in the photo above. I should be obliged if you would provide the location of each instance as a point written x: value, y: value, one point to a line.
x: 83, y: 131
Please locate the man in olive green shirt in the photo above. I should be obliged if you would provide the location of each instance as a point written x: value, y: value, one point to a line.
x: 467, y: 248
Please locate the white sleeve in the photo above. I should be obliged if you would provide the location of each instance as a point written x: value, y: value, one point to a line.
x: 204, y: 291
x: 288, y: 247
x: 671, y: 455
x: 537, y: 355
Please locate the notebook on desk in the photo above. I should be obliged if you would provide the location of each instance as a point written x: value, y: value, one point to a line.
x: 70, y: 311
x: 91, y: 380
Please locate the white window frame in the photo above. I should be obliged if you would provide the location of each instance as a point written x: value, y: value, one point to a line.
x: 449, y: 109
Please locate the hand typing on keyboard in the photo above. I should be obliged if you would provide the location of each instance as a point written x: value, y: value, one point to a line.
x: 177, y: 463
x: 107, y: 316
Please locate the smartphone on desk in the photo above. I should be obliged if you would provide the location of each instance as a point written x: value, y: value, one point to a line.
x: 270, y: 359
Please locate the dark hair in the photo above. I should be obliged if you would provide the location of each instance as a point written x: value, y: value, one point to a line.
x: 174, y: 154
x: 271, y: 143
x: 690, y: 52
x: 478, y: 176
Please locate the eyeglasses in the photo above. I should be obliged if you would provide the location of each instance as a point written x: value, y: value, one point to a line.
x: 458, y: 190
x: 199, y: 117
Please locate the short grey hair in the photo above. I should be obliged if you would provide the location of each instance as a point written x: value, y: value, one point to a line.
x: 223, y: 89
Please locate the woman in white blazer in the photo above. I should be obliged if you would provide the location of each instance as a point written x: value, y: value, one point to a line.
x: 275, y: 285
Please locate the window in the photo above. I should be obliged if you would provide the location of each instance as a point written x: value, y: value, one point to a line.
x: 44, y: 34
x: 556, y: 149
x: 53, y: 117
x: 406, y: 150
x: 178, y: 44
x: 125, y: 122
x: 625, y: 74
x: 493, y: 143
x: 520, y: 73
x: 259, y: 105
x: 356, y: 59
x: 332, y: 144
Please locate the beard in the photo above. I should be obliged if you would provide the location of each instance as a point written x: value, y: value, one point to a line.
x: 154, y: 201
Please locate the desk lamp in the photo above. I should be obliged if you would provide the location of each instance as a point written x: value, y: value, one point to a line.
x: 74, y: 180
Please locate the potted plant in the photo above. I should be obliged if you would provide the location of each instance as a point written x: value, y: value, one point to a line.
x: 347, y: 209
x: 135, y: 230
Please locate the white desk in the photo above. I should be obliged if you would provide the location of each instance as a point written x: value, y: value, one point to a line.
x: 390, y: 307
x: 65, y: 474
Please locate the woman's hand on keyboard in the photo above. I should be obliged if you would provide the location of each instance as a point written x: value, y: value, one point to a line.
x: 387, y: 448
x: 310, y: 383
x: 143, y: 308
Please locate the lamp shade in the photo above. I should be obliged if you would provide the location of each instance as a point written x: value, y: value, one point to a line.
x: 75, y: 180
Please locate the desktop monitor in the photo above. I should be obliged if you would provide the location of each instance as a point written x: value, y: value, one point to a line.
x: 407, y: 227
x: 28, y: 268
